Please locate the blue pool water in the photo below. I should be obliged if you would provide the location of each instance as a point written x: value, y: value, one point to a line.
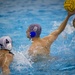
x: 17, y: 15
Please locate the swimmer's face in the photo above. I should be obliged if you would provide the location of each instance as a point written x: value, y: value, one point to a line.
x: 28, y: 33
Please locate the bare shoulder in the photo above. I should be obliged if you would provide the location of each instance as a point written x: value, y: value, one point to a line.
x: 6, y: 53
x: 9, y: 57
x: 51, y: 37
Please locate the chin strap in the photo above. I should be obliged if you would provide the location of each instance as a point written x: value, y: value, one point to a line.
x: 7, y: 50
x: 1, y: 46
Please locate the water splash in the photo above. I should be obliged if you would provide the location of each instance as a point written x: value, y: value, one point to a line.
x: 21, y: 60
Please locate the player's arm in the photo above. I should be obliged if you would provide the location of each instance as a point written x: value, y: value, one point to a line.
x: 61, y: 27
x: 63, y: 24
x: 55, y: 34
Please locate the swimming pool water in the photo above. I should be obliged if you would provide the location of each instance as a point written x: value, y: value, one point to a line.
x: 17, y: 15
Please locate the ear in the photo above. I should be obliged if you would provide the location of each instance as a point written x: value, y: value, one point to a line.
x: 32, y: 34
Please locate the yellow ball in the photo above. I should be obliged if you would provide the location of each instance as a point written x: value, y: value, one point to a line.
x: 69, y: 5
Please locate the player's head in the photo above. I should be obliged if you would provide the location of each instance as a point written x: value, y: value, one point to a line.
x: 34, y: 30
x: 6, y: 42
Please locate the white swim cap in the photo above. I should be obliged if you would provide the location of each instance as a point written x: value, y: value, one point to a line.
x: 6, y: 42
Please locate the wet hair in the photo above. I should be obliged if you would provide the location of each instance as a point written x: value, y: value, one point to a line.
x: 36, y: 28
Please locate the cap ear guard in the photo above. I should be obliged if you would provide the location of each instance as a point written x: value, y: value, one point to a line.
x: 32, y: 34
x: 7, y: 41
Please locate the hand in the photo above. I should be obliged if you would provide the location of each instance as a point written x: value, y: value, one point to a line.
x: 71, y: 13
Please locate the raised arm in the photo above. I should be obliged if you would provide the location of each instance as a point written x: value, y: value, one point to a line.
x: 55, y: 34
x: 63, y: 24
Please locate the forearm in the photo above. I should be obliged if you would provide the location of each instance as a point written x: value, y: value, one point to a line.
x: 63, y: 24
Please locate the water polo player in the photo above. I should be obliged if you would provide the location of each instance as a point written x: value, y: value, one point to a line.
x: 6, y: 55
x: 41, y: 46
